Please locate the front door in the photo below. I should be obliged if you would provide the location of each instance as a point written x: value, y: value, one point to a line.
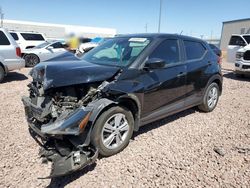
x: 165, y: 87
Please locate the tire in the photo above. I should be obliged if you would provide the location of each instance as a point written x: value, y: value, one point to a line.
x: 2, y: 74
x: 210, y: 98
x: 105, y: 136
x: 31, y: 60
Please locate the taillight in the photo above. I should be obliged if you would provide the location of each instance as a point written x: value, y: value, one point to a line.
x: 219, y: 60
x: 18, y: 51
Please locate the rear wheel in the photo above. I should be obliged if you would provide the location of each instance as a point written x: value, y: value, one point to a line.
x: 113, y: 130
x: 31, y: 60
x: 2, y: 74
x: 210, y: 99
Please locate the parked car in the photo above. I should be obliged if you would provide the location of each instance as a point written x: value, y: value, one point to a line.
x: 236, y: 42
x: 43, y: 52
x: 27, y: 40
x: 10, y: 54
x: 242, y: 63
x: 216, y: 50
x: 84, y: 108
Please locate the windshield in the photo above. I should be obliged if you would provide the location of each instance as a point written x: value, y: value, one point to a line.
x: 44, y: 44
x: 247, y: 38
x: 117, y: 51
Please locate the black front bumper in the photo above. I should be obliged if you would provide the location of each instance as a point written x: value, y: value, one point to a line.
x: 78, y: 153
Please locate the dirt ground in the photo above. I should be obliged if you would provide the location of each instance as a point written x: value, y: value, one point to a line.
x: 189, y: 149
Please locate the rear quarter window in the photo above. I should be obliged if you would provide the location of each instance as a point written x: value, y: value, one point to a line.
x: 3, y: 39
x: 194, y: 50
x: 32, y: 36
x: 14, y: 35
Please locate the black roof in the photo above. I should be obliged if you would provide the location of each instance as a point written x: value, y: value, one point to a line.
x: 158, y: 35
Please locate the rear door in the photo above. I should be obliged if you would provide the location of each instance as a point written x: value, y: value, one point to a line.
x: 235, y: 43
x: 165, y: 87
x: 197, y: 61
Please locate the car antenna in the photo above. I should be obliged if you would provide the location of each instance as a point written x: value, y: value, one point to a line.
x: 181, y: 32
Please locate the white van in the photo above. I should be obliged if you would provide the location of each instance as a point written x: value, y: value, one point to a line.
x: 236, y: 42
x: 27, y: 40
x: 10, y: 54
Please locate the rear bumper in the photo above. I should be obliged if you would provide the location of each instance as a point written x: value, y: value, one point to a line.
x: 14, y: 64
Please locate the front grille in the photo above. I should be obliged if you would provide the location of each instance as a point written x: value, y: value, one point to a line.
x: 247, y: 55
x: 246, y: 66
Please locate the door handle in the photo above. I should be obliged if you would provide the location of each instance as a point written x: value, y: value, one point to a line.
x: 181, y: 74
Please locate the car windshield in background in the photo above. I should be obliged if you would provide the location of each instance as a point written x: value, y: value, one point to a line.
x: 14, y: 35
x: 117, y: 52
x: 42, y: 45
x: 32, y: 36
x: 247, y: 38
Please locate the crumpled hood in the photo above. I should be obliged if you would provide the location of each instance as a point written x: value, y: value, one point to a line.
x: 66, y: 73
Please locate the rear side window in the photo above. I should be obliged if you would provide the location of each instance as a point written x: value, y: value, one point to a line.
x: 237, y: 41
x: 32, y: 36
x: 14, y: 35
x: 194, y: 50
x: 3, y: 39
x: 168, y: 50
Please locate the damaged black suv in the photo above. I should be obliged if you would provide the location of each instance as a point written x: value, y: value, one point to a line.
x: 79, y: 109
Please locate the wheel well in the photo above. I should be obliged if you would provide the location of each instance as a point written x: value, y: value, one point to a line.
x: 131, y: 105
x: 217, y: 81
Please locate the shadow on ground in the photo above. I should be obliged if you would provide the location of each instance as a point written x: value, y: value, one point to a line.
x: 233, y: 76
x: 14, y: 76
x: 63, y: 181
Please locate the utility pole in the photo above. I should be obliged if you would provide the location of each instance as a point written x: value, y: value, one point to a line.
x: 159, y: 26
x: 146, y: 27
x: 1, y: 15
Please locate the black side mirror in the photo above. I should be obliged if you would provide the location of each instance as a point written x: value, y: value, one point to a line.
x: 154, y: 63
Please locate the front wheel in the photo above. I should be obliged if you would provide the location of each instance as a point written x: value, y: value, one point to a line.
x: 210, y: 99
x: 2, y: 74
x: 112, y: 131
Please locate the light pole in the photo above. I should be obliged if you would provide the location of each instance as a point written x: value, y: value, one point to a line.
x: 159, y: 25
x: 1, y: 15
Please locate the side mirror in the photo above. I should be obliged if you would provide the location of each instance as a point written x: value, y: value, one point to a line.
x: 154, y: 63
x: 49, y: 48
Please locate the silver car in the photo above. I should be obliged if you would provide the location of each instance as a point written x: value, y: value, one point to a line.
x: 10, y: 54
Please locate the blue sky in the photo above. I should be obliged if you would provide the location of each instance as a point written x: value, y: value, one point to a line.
x: 194, y: 18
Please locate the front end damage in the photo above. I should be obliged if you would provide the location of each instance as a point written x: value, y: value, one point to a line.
x: 61, y: 119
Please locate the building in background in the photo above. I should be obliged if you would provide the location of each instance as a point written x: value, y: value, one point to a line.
x: 58, y: 31
x: 233, y: 27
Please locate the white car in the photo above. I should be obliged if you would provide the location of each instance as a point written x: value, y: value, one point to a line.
x: 10, y: 54
x: 28, y: 40
x: 242, y: 63
x: 43, y: 52
x: 236, y: 42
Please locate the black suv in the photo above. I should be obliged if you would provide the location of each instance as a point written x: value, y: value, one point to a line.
x: 79, y: 109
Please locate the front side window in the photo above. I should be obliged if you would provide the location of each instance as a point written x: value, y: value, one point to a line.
x: 118, y: 51
x: 32, y: 36
x: 167, y: 51
x: 194, y: 50
x: 237, y: 41
x: 3, y: 39
x: 14, y: 35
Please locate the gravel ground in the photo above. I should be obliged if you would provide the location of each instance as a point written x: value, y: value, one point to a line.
x: 189, y: 149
